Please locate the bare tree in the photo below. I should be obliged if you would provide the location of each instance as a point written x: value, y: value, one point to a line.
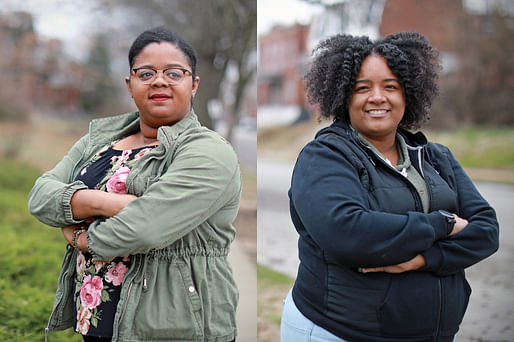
x: 221, y: 31
x: 480, y: 90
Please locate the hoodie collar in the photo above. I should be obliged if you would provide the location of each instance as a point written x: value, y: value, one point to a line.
x: 344, y: 129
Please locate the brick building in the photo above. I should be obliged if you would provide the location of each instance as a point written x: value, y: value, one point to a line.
x: 282, y: 56
x: 34, y: 69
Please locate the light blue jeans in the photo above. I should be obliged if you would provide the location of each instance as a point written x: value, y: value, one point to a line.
x: 295, y: 327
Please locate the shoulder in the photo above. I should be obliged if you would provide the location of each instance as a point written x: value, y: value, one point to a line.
x: 438, y: 153
x: 201, y: 141
x: 334, y: 140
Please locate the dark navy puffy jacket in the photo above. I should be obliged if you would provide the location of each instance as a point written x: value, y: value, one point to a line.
x: 353, y: 210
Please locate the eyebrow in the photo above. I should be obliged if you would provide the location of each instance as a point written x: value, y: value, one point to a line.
x: 384, y: 80
x: 167, y: 66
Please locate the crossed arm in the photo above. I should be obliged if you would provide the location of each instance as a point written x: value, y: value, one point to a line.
x: 419, y: 260
x: 90, y: 203
x: 324, y: 203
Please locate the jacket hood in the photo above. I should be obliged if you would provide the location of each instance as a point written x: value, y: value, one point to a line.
x: 344, y: 129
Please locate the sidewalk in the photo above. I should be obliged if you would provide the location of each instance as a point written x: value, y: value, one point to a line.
x: 245, y: 274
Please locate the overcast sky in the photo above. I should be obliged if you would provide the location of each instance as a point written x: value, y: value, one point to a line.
x: 69, y: 20
x: 285, y: 12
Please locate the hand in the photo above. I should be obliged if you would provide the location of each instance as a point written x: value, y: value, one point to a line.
x: 413, y: 264
x: 67, y: 231
x: 459, y: 225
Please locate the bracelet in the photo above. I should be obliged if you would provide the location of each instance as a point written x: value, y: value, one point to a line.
x: 76, y: 234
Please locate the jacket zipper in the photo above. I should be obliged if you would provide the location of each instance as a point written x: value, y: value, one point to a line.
x: 418, y: 198
x: 124, y: 308
x: 58, y: 308
x: 125, y: 304
x: 436, y: 336
x: 397, y: 172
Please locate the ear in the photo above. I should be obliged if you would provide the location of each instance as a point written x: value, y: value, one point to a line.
x: 196, y: 83
x: 127, y: 83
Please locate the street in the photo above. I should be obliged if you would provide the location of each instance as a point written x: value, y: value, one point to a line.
x: 490, y: 314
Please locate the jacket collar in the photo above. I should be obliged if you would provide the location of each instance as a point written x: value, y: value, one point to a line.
x: 108, y: 129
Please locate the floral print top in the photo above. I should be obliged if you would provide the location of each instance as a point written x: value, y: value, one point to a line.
x: 98, y: 284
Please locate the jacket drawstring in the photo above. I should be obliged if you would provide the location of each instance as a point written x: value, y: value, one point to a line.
x: 142, y: 275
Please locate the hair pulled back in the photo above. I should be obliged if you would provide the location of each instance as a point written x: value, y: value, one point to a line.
x: 158, y: 35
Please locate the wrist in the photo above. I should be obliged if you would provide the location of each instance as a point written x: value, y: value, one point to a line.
x: 82, y: 241
x: 449, y: 221
x: 76, y: 235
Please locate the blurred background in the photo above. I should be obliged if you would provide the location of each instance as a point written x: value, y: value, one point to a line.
x: 64, y: 63
x: 473, y: 116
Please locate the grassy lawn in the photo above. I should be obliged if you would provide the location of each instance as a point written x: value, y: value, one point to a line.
x: 30, y: 255
x: 487, y: 154
x: 272, y: 290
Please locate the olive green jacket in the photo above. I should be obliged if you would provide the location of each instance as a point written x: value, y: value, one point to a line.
x: 178, y: 231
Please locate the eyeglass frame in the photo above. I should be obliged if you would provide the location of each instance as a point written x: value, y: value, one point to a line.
x: 134, y: 70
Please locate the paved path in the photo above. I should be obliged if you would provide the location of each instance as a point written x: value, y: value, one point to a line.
x: 490, y: 314
x: 245, y: 274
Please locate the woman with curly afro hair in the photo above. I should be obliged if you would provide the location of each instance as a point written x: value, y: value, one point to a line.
x: 387, y: 221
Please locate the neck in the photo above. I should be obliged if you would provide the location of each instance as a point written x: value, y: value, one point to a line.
x: 386, y: 146
x: 148, y: 134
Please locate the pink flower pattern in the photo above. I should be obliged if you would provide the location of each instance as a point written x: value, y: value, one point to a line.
x: 98, y: 282
x: 116, y: 273
x: 83, y: 323
x: 117, y: 182
x: 91, y: 292
x: 81, y: 263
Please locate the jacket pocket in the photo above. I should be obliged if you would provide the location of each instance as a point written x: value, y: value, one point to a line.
x: 171, y: 308
x: 411, y: 305
x: 456, y: 292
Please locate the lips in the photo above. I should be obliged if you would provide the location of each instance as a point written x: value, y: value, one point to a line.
x: 160, y: 97
x: 377, y: 112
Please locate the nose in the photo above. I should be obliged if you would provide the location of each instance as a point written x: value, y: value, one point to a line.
x: 377, y: 95
x: 159, y: 80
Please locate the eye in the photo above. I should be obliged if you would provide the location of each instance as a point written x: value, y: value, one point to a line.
x: 174, y: 74
x: 361, y: 88
x: 145, y: 74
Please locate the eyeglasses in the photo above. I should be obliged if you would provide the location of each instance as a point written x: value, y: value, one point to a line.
x: 171, y: 75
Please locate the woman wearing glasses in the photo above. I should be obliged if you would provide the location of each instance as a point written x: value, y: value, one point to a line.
x: 146, y: 201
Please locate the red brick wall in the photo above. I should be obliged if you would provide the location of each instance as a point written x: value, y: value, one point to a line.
x: 438, y: 20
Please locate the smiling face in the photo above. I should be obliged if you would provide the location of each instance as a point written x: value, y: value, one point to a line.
x: 377, y: 104
x: 160, y: 103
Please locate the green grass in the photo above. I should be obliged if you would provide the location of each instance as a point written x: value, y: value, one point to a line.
x: 479, y: 147
x: 30, y: 258
x: 273, y: 288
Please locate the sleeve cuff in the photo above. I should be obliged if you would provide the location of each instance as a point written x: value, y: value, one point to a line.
x: 439, y: 224
x: 66, y: 201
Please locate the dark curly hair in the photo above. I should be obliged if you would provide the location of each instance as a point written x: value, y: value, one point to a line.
x: 337, y: 62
